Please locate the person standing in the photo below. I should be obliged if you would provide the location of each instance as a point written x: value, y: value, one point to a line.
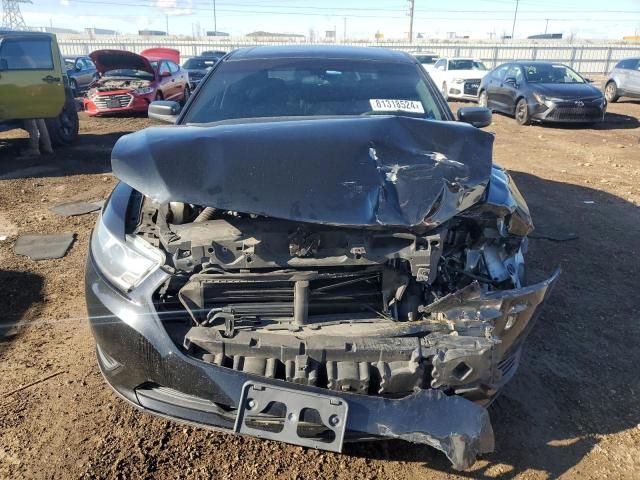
x: 39, y: 140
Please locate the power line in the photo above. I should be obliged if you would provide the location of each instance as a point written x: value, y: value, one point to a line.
x: 12, y: 16
x: 515, y: 15
x: 412, y: 5
x: 241, y: 11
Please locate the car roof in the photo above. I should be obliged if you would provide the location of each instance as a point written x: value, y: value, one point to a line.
x: 538, y: 62
x: 321, y: 51
x: 24, y: 33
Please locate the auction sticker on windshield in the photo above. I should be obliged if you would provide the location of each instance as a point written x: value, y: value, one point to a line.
x: 394, y: 105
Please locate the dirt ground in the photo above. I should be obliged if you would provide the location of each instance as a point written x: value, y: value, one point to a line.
x: 572, y: 411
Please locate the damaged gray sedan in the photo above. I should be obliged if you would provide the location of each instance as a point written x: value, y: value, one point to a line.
x: 316, y: 253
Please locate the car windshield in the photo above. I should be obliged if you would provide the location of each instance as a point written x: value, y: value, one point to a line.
x: 127, y: 72
x: 466, y: 65
x: 550, y: 73
x: 70, y: 63
x: 312, y: 87
x: 199, y: 63
x: 427, y: 59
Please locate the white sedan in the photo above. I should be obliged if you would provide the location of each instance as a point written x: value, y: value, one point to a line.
x: 458, y: 77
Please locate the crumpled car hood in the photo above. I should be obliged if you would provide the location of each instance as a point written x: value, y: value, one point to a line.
x: 108, y: 60
x: 356, y: 171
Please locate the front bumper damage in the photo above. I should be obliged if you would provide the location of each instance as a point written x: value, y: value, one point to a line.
x: 474, y: 347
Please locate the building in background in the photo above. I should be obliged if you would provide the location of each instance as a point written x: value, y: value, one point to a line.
x: 54, y: 30
x: 546, y: 36
x: 217, y: 34
x: 152, y: 33
x: 93, y: 32
x: 262, y: 35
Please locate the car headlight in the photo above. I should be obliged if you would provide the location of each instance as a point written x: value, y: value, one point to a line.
x: 144, y: 90
x: 125, y: 264
x: 544, y: 99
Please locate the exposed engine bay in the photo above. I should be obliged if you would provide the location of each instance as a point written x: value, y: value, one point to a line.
x: 349, y: 309
x: 383, y: 266
x: 363, y: 274
x: 108, y: 84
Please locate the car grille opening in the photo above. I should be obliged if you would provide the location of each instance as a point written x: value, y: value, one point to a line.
x: 273, y: 296
x: 576, y: 113
x: 104, y: 102
x: 471, y: 86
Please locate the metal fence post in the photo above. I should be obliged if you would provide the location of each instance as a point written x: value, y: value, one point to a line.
x: 573, y: 57
x: 607, y: 65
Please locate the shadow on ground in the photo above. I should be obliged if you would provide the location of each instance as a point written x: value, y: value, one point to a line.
x: 89, y: 154
x: 574, y: 382
x: 20, y: 291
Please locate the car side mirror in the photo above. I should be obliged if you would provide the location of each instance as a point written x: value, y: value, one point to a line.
x: 164, y: 111
x: 165, y: 74
x: 78, y: 68
x: 477, y: 116
x: 510, y: 81
x: 588, y: 80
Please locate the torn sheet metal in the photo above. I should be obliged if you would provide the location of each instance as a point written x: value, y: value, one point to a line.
x: 71, y: 209
x: 456, y: 426
x: 378, y: 170
x: 44, y: 247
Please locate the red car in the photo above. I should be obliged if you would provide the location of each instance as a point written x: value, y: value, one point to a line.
x: 130, y: 82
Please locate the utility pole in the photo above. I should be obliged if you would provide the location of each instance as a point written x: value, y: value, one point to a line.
x: 411, y: 8
x: 546, y: 25
x: 167, y: 20
x: 12, y: 16
x: 515, y: 14
x: 344, y: 30
x: 215, y: 20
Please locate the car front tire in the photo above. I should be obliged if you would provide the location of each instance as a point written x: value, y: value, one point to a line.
x: 611, y: 92
x: 445, y: 91
x: 483, y: 99
x: 73, y: 84
x: 63, y: 129
x: 521, y: 113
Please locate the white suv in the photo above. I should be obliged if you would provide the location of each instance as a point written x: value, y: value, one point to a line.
x: 458, y: 77
x: 624, y: 80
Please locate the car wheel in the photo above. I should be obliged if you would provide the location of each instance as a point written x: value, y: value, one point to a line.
x: 445, y: 91
x: 483, y: 99
x: 522, y: 112
x: 73, y: 84
x: 63, y: 129
x: 611, y: 92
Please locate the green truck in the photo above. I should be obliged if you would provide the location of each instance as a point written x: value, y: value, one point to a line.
x: 33, y: 84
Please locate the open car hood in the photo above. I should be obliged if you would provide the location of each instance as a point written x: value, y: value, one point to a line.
x: 155, y: 54
x: 107, y: 60
x: 364, y: 171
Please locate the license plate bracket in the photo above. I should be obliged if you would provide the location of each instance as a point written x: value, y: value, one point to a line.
x: 331, y: 413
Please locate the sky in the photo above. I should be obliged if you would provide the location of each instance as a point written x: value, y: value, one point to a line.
x: 585, y: 19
